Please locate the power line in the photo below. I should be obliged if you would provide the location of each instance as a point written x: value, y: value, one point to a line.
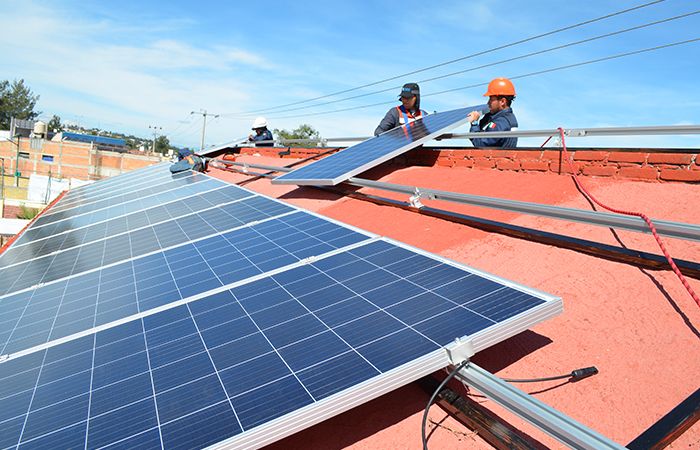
x: 503, y: 61
x: 515, y: 77
x: 483, y: 52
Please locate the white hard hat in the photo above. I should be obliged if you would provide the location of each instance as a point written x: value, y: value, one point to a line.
x: 260, y: 122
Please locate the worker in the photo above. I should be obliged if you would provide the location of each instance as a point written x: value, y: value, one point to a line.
x: 500, y: 117
x: 407, y: 112
x: 187, y: 160
x: 261, y: 133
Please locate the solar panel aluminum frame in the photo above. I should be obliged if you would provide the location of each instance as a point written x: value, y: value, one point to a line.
x: 377, y: 386
x: 387, y: 156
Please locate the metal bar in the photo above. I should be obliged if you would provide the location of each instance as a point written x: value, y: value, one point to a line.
x: 553, y: 422
x: 667, y: 228
x: 569, y: 132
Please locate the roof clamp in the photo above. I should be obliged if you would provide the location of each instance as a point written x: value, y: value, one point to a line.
x: 460, y: 350
x: 414, y: 200
x: 245, y: 168
x: 4, y: 357
x: 309, y: 260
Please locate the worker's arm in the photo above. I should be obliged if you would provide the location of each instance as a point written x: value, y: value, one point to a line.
x: 390, y: 121
x: 499, y: 124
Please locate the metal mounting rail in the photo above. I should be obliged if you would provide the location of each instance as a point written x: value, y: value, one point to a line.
x: 553, y: 422
x: 569, y: 132
x: 667, y: 228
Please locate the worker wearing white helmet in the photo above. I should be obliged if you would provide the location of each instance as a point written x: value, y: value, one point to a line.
x: 261, y: 133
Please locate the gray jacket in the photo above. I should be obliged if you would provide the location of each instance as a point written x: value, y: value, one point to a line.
x: 391, y: 120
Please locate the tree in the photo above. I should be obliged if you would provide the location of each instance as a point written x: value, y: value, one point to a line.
x: 16, y: 100
x: 162, y: 144
x: 303, y: 131
x: 55, y: 124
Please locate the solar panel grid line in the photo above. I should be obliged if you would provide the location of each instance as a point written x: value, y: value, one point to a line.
x: 175, y: 304
x: 191, y: 195
x: 326, y: 408
x: 37, y: 270
x: 152, y: 224
x: 111, y: 201
x: 372, y: 152
x: 120, y: 185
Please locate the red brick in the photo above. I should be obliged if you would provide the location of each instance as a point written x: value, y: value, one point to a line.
x: 680, y: 175
x: 588, y: 155
x: 507, y: 164
x: 464, y: 163
x: 529, y: 154
x: 670, y: 158
x: 480, y: 154
x: 445, y: 161
x: 640, y: 173
x: 482, y: 162
x: 510, y: 154
x: 541, y: 166
x: 599, y: 171
x: 551, y: 155
x: 564, y: 167
x: 627, y: 157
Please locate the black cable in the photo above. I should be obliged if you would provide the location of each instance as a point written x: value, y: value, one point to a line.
x: 575, y: 375
x: 503, y: 61
x: 432, y: 399
x: 452, y: 61
x: 539, y: 72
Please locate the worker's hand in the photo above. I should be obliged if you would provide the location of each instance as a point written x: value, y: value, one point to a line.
x: 250, y: 137
x: 473, y: 116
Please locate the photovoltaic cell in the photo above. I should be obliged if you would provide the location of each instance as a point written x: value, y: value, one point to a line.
x: 372, y: 152
x: 281, y: 352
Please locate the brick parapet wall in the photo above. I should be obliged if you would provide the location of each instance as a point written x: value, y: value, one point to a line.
x: 637, y: 164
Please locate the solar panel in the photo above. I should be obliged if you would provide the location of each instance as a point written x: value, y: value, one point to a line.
x: 372, y: 152
x: 254, y: 363
x: 236, y: 325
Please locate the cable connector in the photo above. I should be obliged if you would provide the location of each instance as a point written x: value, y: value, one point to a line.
x: 580, y: 374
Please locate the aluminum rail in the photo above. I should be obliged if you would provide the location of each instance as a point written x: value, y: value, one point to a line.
x: 555, y: 423
x: 569, y: 132
x: 667, y: 228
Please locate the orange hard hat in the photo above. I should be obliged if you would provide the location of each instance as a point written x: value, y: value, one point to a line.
x: 500, y: 86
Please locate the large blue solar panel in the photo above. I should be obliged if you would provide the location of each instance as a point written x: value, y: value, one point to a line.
x: 254, y: 363
x: 76, y: 236
x: 372, y: 152
x: 87, y: 190
x: 79, y: 303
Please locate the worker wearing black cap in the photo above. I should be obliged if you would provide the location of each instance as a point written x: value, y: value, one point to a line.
x: 408, y: 111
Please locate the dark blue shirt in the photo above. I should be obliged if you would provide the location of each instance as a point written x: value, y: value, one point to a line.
x: 503, y: 120
x: 264, y: 136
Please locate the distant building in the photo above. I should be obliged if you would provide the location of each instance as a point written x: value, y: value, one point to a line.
x: 108, y: 143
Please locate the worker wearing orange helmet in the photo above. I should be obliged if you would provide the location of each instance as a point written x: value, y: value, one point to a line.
x: 500, y: 117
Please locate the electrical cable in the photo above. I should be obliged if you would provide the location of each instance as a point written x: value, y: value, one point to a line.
x: 432, y: 399
x: 452, y: 61
x: 515, y: 77
x: 503, y: 61
x: 574, y: 376
x: 643, y: 216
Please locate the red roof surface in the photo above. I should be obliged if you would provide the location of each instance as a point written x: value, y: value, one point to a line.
x: 640, y: 328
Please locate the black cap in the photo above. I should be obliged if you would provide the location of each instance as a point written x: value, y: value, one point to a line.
x: 409, y: 90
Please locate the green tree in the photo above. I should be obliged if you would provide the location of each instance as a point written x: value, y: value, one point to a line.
x: 162, y: 144
x: 16, y: 100
x: 303, y: 131
x: 55, y: 124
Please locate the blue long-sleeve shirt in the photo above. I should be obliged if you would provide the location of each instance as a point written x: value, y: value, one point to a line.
x: 264, y: 136
x: 503, y: 120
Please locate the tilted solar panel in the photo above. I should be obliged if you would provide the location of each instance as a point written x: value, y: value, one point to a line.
x: 372, y: 152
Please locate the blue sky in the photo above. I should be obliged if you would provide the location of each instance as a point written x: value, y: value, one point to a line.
x: 126, y: 65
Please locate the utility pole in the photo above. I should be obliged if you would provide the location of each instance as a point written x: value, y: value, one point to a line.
x: 155, y: 135
x: 204, y: 114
